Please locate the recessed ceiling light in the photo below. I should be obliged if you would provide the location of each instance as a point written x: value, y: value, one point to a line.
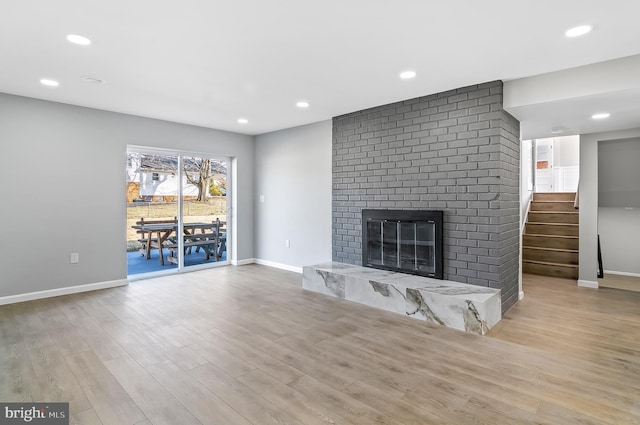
x: 600, y: 116
x: 49, y: 82
x: 407, y: 75
x: 92, y: 80
x: 78, y: 39
x: 557, y: 131
x: 578, y: 31
x: 302, y: 104
x: 243, y: 120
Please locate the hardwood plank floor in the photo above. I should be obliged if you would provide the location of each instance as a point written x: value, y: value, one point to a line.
x: 615, y: 281
x: 246, y: 345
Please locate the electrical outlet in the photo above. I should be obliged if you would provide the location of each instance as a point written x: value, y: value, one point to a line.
x: 261, y: 198
x: 74, y: 258
x: 287, y: 243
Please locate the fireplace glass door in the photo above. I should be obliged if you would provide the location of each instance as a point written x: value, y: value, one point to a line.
x: 402, y: 245
x: 406, y: 245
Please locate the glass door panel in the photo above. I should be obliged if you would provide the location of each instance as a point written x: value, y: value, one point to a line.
x: 204, y: 210
x: 426, y: 247
x: 152, y: 211
x: 390, y: 243
x: 374, y: 241
x: 408, y: 246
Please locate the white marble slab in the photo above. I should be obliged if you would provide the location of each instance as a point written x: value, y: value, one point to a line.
x: 376, y: 294
x: 323, y: 281
x: 458, y: 305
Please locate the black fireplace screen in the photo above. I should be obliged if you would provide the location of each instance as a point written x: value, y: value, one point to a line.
x: 403, y: 240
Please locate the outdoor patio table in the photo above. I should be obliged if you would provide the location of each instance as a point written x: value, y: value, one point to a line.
x: 163, y: 232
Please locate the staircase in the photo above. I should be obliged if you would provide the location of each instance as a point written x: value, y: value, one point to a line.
x: 550, y: 240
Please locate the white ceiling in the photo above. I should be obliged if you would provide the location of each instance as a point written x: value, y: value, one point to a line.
x: 210, y: 62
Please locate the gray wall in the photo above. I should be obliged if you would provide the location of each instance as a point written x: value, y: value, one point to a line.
x: 566, y: 151
x: 589, y: 201
x: 619, y: 230
x: 619, y: 173
x: 293, y: 173
x: 63, y: 175
x: 456, y: 151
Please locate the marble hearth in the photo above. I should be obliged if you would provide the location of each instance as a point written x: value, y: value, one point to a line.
x: 457, y: 305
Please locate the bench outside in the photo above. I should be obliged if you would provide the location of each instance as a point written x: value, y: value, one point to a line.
x: 457, y: 305
x: 144, y: 239
x: 160, y: 234
x: 212, y: 244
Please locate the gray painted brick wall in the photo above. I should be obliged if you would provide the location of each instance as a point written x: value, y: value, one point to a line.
x: 456, y: 151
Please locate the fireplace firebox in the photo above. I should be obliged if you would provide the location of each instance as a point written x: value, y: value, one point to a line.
x: 407, y: 241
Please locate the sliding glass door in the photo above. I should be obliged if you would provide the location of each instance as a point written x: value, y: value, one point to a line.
x: 204, y: 210
x: 176, y: 211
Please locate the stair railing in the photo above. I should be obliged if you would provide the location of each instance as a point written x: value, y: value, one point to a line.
x: 526, y: 214
x: 600, y: 268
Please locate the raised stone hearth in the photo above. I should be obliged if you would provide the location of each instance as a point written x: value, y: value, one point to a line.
x: 457, y: 305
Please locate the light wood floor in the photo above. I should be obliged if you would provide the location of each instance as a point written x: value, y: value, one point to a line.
x: 616, y: 281
x: 247, y: 345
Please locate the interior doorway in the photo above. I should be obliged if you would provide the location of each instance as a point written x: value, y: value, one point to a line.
x: 556, y: 164
x: 177, y: 209
x: 619, y: 213
x: 550, y: 226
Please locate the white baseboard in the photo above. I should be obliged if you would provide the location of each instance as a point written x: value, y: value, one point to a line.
x: 621, y: 273
x: 279, y: 266
x: 30, y: 296
x: 243, y: 262
x: 588, y: 284
x: 520, y: 295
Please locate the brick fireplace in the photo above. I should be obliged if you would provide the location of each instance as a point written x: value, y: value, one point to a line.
x: 456, y: 151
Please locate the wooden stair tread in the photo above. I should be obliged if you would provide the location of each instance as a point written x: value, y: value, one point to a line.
x: 541, y: 248
x: 553, y: 216
x: 552, y: 224
x: 551, y: 200
x: 555, y: 212
x: 555, y: 196
x: 539, y: 235
x: 546, y: 263
x: 551, y: 207
x: 564, y: 229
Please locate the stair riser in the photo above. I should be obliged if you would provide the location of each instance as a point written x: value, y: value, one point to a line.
x: 553, y: 271
x: 562, y: 243
x: 550, y: 217
x: 562, y: 257
x: 564, y: 196
x: 553, y: 206
x: 550, y: 229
